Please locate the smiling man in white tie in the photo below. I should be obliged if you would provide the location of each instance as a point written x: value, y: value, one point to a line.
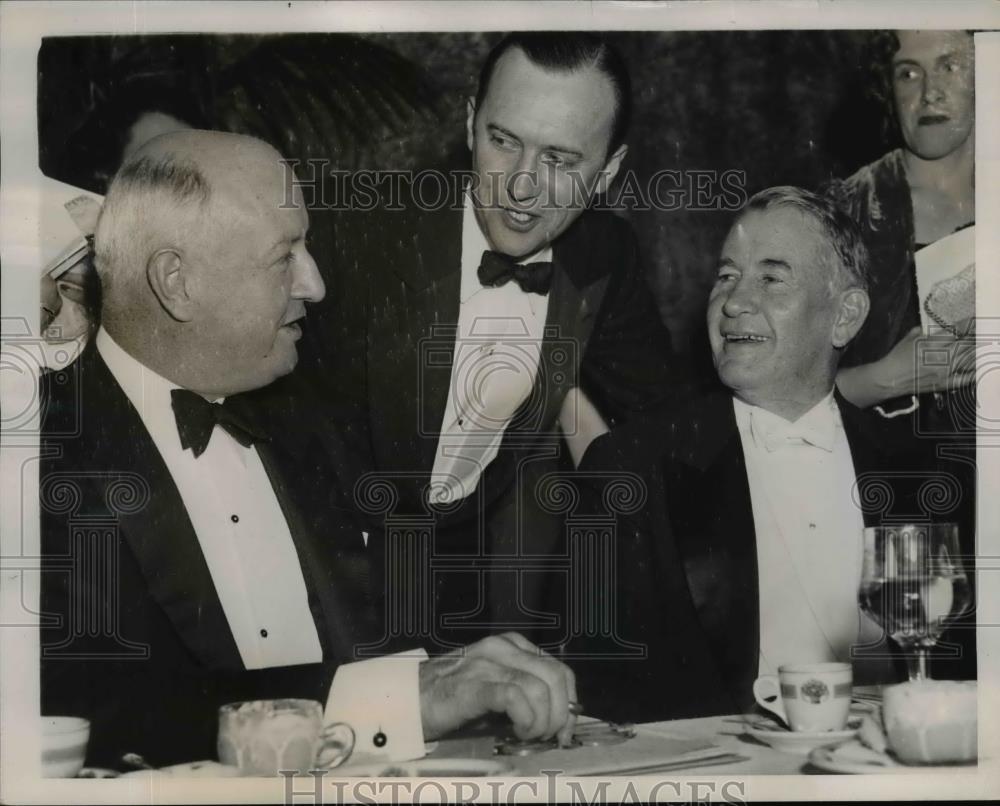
x: 199, y: 548
x: 747, y: 554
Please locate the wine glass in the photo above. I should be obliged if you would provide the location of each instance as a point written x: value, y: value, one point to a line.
x: 913, y: 585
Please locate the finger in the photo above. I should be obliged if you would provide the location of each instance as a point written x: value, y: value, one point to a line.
x: 511, y: 699
x: 568, y: 725
x: 522, y: 643
x: 527, y: 646
x: 505, y: 651
x: 481, y: 676
x: 565, y: 734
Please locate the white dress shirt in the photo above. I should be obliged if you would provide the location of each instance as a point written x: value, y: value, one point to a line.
x: 497, y: 349
x: 809, y: 535
x: 240, y: 527
x: 257, y: 575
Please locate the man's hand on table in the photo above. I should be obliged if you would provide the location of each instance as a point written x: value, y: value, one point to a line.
x: 504, y: 674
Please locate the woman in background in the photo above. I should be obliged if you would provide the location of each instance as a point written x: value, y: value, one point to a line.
x: 907, y: 199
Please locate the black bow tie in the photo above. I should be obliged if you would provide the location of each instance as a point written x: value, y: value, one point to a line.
x: 497, y: 269
x: 196, y: 419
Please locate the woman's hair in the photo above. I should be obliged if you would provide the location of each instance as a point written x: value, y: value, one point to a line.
x: 879, y: 49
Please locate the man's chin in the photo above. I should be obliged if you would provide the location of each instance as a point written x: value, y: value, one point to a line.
x: 736, y: 376
x: 280, y: 367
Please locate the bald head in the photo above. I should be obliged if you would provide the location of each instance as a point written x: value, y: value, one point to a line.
x: 225, y: 161
x: 162, y: 191
x: 217, y: 152
x: 189, y: 248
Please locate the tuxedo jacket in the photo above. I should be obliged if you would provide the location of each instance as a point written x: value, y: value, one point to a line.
x: 397, y: 298
x: 602, y: 332
x: 133, y: 635
x: 687, y: 561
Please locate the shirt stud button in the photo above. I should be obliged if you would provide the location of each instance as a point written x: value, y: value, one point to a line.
x: 379, y: 739
x: 234, y: 518
x: 263, y: 633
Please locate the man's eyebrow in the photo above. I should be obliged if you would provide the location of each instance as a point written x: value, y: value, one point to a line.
x: 284, y: 242
x: 775, y: 263
x: 496, y: 127
x: 725, y: 263
x: 573, y: 152
x: 570, y: 152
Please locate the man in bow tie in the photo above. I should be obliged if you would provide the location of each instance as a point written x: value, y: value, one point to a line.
x: 473, y: 322
x: 747, y: 554
x: 199, y: 549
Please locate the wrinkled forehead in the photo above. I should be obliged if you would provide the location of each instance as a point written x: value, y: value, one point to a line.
x: 778, y: 234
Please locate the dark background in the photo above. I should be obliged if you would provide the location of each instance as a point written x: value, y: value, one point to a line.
x: 785, y: 107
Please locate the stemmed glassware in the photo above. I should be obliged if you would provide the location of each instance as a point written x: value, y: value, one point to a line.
x: 913, y: 585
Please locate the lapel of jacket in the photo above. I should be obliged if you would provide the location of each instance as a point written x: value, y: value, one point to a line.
x: 871, y: 463
x: 711, y: 510
x: 580, y: 259
x: 160, y: 534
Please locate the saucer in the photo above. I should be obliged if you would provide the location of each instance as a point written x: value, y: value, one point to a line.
x: 855, y: 758
x: 800, y: 742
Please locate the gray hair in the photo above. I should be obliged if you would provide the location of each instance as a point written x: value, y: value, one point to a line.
x: 152, y: 202
x: 840, y: 230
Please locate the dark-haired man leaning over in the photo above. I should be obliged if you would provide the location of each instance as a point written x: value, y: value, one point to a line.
x: 748, y: 553
x: 197, y: 549
x: 475, y: 319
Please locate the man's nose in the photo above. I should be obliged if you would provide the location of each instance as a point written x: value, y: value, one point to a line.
x: 308, y: 283
x: 740, y: 299
x: 522, y: 185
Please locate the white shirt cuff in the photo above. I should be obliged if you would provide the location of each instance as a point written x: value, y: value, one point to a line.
x: 380, y: 700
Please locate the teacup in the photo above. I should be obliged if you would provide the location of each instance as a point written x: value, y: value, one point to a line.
x: 931, y: 721
x: 264, y: 737
x: 64, y: 745
x: 807, y: 696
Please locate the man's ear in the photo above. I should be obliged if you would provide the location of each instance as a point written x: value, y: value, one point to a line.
x: 470, y: 122
x: 851, y: 314
x: 168, y: 280
x: 610, y: 170
x: 71, y: 287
